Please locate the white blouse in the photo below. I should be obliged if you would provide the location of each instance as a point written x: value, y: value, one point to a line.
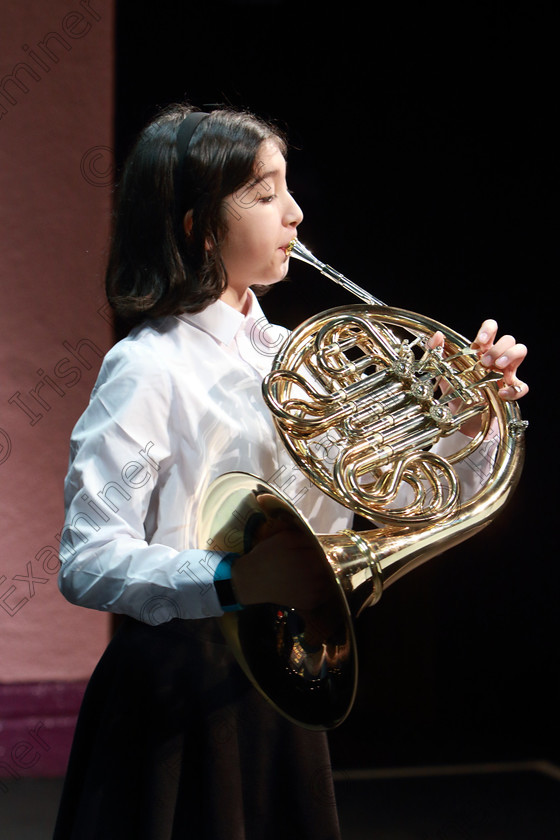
x: 176, y: 404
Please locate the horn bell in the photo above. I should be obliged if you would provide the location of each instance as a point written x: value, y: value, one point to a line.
x: 304, y: 664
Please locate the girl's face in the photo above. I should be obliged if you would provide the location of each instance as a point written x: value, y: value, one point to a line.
x: 262, y: 219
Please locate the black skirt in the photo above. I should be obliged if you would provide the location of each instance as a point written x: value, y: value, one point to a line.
x: 174, y: 743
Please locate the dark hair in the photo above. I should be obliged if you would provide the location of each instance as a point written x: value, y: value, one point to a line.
x: 154, y: 269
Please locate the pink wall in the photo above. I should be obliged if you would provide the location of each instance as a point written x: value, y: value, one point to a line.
x: 56, y: 79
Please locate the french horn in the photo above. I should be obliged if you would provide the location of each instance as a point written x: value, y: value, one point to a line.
x: 362, y: 404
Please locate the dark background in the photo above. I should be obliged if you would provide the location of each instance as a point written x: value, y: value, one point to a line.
x: 423, y: 155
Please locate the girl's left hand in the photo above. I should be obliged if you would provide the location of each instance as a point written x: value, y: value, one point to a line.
x: 503, y: 355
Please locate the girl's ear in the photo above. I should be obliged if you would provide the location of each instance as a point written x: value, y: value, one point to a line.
x: 188, y: 223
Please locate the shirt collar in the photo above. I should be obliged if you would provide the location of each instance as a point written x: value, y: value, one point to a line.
x: 222, y: 321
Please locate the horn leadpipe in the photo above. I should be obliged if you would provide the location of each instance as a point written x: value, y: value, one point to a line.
x: 300, y: 252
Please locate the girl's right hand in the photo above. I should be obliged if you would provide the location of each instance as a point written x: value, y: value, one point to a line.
x: 288, y: 567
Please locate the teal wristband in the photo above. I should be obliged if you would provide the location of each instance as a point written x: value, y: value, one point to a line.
x: 222, y: 582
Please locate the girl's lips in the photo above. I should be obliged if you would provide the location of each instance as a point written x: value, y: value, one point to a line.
x: 288, y: 247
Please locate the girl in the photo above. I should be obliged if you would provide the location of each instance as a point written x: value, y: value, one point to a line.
x: 172, y: 741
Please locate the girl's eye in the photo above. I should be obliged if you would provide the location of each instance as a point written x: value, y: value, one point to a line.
x: 267, y: 199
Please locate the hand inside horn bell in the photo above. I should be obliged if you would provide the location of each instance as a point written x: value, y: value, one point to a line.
x: 285, y: 564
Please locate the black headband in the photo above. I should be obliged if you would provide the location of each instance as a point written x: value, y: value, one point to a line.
x: 186, y: 131
x: 184, y: 136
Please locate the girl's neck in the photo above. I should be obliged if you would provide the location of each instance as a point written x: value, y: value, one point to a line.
x: 238, y: 300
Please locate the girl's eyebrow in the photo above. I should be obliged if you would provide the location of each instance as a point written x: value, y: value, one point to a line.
x: 272, y: 173
x: 261, y: 179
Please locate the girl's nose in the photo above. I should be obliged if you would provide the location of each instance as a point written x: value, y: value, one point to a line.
x: 294, y: 213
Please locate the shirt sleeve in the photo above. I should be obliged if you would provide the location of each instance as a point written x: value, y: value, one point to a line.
x: 121, y: 449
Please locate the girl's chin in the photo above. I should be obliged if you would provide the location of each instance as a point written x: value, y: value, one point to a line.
x: 271, y: 280
x: 274, y: 274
